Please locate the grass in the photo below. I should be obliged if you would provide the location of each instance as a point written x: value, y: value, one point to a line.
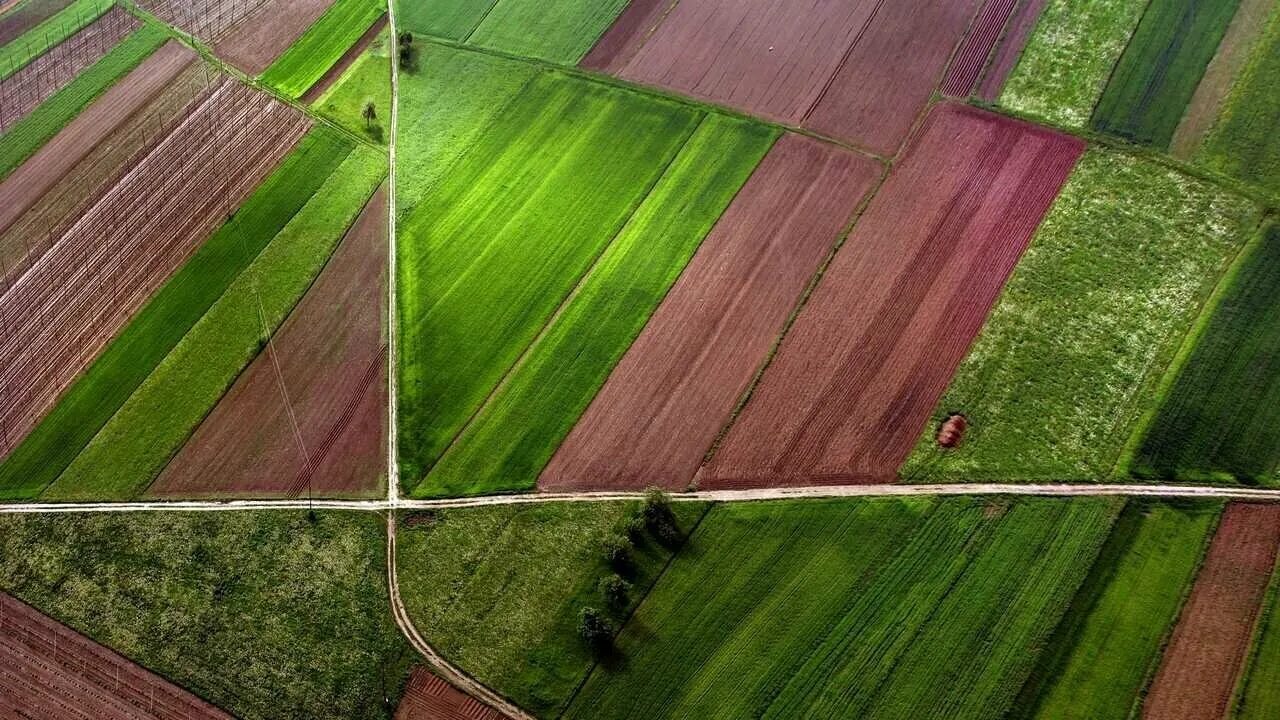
x: 265, y: 614
x: 368, y: 80
x: 1107, y: 647
x: 885, y: 608
x: 1073, y: 351
x: 499, y: 589
x: 511, y: 440
x: 559, y: 31
x: 486, y: 259
x: 1258, y: 695
x: 161, y: 324
x: 15, y: 54
x: 28, y: 134
x: 1158, y: 73
x: 1069, y: 57
x: 323, y: 44
x: 1243, y: 143
x: 135, y: 444
x: 1220, y: 419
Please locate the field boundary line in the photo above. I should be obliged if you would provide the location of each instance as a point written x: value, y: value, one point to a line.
x: 393, y: 464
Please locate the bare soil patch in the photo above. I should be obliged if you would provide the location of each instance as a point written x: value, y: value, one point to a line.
x: 13, y: 23
x: 972, y: 56
x: 626, y: 35
x: 427, y: 697
x: 1010, y: 48
x: 257, y: 40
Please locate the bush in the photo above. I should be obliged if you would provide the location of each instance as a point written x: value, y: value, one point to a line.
x: 615, y: 591
x: 617, y: 552
x: 659, y: 518
x: 596, y: 629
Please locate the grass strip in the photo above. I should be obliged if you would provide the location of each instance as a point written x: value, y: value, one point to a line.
x: 1258, y: 695
x: 560, y: 31
x: 15, y: 54
x: 308, y: 59
x: 368, y: 80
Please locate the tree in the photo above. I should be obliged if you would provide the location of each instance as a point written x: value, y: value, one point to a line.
x: 595, y: 629
x: 659, y: 518
x: 615, y: 591
x: 617, y: 552
x: 369, y: 114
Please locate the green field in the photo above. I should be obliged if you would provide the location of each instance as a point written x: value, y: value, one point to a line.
x: 487, y: 257
x: 1107, y: 647
x: 1244, y: 143
x: 1220, y: 420
x: 320, y: 47
x: 1158, y: 73
x: 1069, y: 57
x: 1258, y: 696
x: 368, y: 80
x: 554, y: 30
x: 15, y: 54
x: 32, y: 131
x: 498, y: 589
x: 167, y: 317
x: 140, y: 438
x: 888, y: 608
x: 513, y: 437
x: 265, y: 614
x: 1073, y: 351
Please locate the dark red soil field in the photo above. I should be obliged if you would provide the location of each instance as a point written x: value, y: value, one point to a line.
x: 355, y: 51
x: 972, y: 56
x: 856, y: 377
x: 676, y: 387
x: 1198, y: 672
x: 860, y: 71
x: 329, y: 360
x: 427, y: 697
x: 17, y: 22
x: 22, y: 91
x: 76, y: 297
x: 1009, y: 49
x: 50, y: 672
x: 257, y: 40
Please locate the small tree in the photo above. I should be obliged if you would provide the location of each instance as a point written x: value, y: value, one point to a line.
x: 659, y: 518
x: 406, y: 38
x: 370, y: 113
x: 595, y: 629
x: 617, y: 552
x: 615, y: 591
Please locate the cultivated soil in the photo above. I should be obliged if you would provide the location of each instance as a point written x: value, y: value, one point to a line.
x: 1010, y: 48
x: 972, y: 56
x: 427, y: 697
x: 255, y: 42
x: 662, y: 407
x: 16, y: 22
x: 626, y: 35
x: 858, y: 375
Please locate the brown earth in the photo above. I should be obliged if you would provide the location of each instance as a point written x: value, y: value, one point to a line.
x: 1010, y: 48
x: 856, y: 377
x: 676, y: 387
x: 624, y: 38
x: 257, y: 40
x: 209, y: 20
x: 349, y: 57
x: 1198, y: 672
x: 427, y: 697
x: 15, y: 23
x: 67, y: 307
x: 324, y: 370
x: 50, y: 672
x: 972, y: 56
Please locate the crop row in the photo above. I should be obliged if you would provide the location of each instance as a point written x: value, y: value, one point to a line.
x: 307, y: 60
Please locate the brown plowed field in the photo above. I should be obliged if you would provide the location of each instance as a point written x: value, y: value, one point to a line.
x: 972, y: 55
x: 34, y: 232
x: 427, y: 697
x: 209, y: 20
x: 41, y: 171
x: 1010, y: 47
x: 22, y: 91
x: 256, y: 41
x: 330, y: 356
x: 626, y: 35
x: 336, y: 71
x: 16, y: 22
x: 1200, y: 666
x: 676, y: 387
x: 857, y: 70
x: 50, y: 672
x: 60, y: 313
x: 856, y: 377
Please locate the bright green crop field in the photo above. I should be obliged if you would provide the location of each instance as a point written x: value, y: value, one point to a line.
x: 560, y: 31
x: 308, y: 59
x: 486, y: 259
x: 368, y: 80
x: 1075, y: 348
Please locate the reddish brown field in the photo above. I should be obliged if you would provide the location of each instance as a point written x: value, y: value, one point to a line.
x: 1009, y: 49
x: 427, y: 697
x: 16, y: 22
x: 662, y: 407
x: 856, y: 377
x: 355, y: 51
x: 1198, y: 673
x: 329, y: 360
x: 209, y: 20
x: 80, y: 293
x: 50, y: 672
x: 257, y: 40
x: 972, y: 56
x: 626, y: 35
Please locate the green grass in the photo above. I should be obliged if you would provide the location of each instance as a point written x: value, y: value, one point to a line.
x: 368, y: 80
x: 449, y: 19
x: 32, y: 131
x: 1108, y: 645
x: 486, y: 259
x: 1069, y: 57
x: 1221, y: 418
x: 16, y: 53
x: 559, y: 31
x: 171, y: 312
x: 134, y: 446
x: 1073, y: 351
x: 311, y: 56
x: 1244, y: 142
x: 511, y: 440
x: 265, y: 614
x: 1158, y: 73
x: 1258, y: 696
x: 870, y: 609
x: 498, y: 589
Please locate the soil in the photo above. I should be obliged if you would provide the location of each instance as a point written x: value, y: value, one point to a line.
x: 858, y: 375
x: 427, y: 697
x: 14, y: 24
x: 1010, y: 48
x: 1203, y: 660
x: 676, y: 387
x: 50, y: 672
x: 625, y: 37
x: 257, y: 40
x: 331, y: 75
x: 331, y: 355
x: 972, y: 56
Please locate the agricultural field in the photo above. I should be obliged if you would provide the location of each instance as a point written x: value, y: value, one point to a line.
x: 560, y: 31
x: 345, y: 91
x: 322, y: 46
